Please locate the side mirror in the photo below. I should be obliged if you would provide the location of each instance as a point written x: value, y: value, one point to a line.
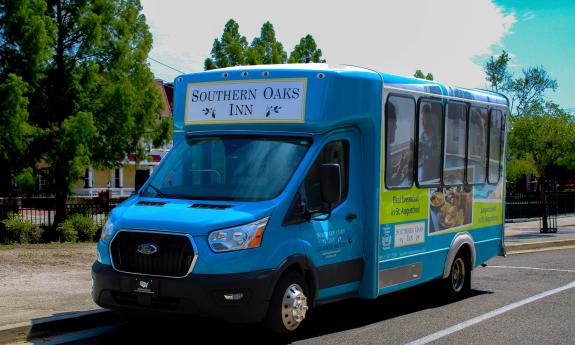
x: 330, y: 183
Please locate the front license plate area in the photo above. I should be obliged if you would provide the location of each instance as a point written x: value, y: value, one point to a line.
x: 145, y: 286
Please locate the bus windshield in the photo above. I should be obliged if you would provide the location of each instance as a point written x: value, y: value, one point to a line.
x: 228, y: 168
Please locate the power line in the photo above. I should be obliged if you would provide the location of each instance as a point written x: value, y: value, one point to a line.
x: 165, y: 65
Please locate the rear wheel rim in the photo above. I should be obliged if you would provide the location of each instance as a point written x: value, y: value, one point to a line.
x: 294, y: 307
x: 458, y: 275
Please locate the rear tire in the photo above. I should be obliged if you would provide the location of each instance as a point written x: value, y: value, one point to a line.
x: 458, y: 283
x: 288, y: 305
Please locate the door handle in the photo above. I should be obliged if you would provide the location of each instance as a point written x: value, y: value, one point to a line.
x: 350, y: 217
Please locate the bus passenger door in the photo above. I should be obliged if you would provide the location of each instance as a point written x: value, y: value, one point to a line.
x: 334, y: 244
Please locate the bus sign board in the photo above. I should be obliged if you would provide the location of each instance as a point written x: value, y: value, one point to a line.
x: 275, y: 100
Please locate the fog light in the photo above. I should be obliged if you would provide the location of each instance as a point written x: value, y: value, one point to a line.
x: 234, y: 296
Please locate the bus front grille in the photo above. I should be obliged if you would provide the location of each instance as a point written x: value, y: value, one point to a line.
x: 152, y: 253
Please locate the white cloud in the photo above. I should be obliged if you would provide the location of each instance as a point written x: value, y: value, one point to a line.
x: 444, y: 37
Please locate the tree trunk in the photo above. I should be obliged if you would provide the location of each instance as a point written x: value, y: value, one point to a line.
x: 61, y: 196
x: 5, y: 181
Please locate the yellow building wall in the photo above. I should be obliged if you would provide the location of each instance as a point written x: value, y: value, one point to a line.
x: 102, y: 177
x: 129, y: 176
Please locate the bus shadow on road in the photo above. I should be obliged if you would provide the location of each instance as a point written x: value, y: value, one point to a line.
x: 358, y: 313
x: 323, y: 320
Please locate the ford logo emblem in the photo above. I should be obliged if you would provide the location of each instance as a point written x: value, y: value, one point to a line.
x: 148, y: 248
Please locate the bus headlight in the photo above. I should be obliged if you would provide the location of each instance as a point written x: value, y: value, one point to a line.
x: 240, y: 237
x: 107, y: 230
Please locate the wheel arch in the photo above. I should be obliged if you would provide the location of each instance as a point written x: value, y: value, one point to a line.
x: 302, y: 265
x: 462, y: 241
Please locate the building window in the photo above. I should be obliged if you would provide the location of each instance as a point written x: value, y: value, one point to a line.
x: 429, y: 145
x: 43, y: 181
x: 455, y: 139
x: 117, y: 178
x: 400, y: 133
x: 477, y: 146
x: 87, y: 179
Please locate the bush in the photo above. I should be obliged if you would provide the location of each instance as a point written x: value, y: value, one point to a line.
x: 77, y: 227
x: 67, y: 232
x: 20, y: 231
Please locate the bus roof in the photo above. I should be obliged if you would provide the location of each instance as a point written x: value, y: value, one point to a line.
x: 392, y: 81
x: 326, y: 97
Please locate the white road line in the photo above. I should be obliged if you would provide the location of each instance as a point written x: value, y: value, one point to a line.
x: 534, y: 268
x: 489, y: 315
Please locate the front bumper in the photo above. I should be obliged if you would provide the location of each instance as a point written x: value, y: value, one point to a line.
x: 196, y: 294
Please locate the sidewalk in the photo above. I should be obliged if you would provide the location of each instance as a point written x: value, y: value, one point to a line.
x: 526, y: 235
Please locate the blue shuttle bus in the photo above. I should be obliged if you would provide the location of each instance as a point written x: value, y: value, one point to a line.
x: 292, y: 186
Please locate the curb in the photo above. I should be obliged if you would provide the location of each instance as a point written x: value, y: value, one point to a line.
x: 512, y: 248
x: 50, y: 326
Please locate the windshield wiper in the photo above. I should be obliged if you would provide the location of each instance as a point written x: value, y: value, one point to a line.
x: 157, y: 190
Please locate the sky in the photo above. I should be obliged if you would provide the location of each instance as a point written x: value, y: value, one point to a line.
x: 450, y: 38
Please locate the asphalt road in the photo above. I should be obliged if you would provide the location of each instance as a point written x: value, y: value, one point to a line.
x: 506, y: 307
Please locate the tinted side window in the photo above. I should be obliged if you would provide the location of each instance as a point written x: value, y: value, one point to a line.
x: 477, y: 146
x: 455, y: 139
x: 399, y: 142
x: 429, y: 143
x: 495, y: 131
x: 335, y: 152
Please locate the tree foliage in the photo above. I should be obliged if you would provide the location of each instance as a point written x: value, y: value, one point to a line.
x: 232, y: 49
x: 497, y: 73
x: 525, y: 91
x: 75, y: 81
x: 541, y: 133
x: 306, y: 50
x: 529, y: 89
x: 229, y: 50
x: 266, y: 49
x: 419, y: 74
x: 544, y: 135
x: 16, y: 133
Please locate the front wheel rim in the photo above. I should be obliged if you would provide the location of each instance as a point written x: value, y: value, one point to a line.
x: 294, y: 307
x: 458, y: 275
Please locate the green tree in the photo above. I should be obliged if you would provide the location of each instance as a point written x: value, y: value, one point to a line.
x: 542, y: 137
x: 519, y: 167
x: 419, y: 74
x: 16, y: 134
x: 306, y: 50
x: 26, y: 36
x: 92, y: 96
x: 230, y: 50
x: 529, y: 89
x: 497, y: 73
x: 266, y: 49
x: 523, y: 92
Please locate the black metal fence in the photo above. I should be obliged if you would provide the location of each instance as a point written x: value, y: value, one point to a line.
x: 529, y: 205
x: 41, y: 211
x: 43, y: 215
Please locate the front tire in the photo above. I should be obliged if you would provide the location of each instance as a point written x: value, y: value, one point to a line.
x: 288, y: 305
